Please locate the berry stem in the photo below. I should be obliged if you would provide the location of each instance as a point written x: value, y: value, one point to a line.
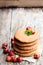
x: 26, y: 60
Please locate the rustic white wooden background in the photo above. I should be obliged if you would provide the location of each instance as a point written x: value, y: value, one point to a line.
x: 12, y: 19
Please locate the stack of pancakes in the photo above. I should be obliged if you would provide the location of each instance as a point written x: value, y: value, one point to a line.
x: 25, y: 45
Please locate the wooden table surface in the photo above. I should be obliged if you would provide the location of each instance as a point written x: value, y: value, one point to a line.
x: 21, y: 3
x: 11, y: 20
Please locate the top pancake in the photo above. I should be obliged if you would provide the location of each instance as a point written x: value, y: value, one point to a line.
x: 22, y: 37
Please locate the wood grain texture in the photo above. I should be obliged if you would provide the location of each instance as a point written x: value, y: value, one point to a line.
x: 11, y: 20
x: 21, y: 3
x: 5, y: 20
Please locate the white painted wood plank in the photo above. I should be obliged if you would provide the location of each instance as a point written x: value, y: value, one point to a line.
x: 5, y: 20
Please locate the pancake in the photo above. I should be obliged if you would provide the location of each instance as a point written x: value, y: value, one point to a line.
x: 21, y: 36
x: 26, y: 47
x: 22, y: 51
x: 26, y: 54
x: 26, y: 44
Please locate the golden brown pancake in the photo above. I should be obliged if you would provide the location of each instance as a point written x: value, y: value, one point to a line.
x: 22, y: 51
x: 27, y: 54
x: 26, y: 44
x: 21, y: 36
x: 26, y: 47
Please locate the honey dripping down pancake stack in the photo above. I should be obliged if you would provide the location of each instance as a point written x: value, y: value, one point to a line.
x: 26, y: 41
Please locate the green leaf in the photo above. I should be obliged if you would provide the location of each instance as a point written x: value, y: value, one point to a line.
x: 28, y: 32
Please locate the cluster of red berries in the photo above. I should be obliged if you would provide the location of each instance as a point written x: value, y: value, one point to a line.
x: 13, y: 59
x: 10, y: 57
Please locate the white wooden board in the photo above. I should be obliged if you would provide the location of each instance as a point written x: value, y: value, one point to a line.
x: 5, y: 20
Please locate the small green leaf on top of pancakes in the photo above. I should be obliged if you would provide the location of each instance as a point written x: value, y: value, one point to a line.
x: 28, y: 32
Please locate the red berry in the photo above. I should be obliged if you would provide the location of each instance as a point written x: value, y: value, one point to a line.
x: 12, y: 41
x: 4, y: 45
x: 14, y: 59
x: 36, y: 56
x: 11, y: 52
x: 5, y: 51
x: 8, y: 58
x: 19, y: 59
x: 28, y: 28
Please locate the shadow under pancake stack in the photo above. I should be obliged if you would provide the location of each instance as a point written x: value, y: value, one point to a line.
x: 26, y: 41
